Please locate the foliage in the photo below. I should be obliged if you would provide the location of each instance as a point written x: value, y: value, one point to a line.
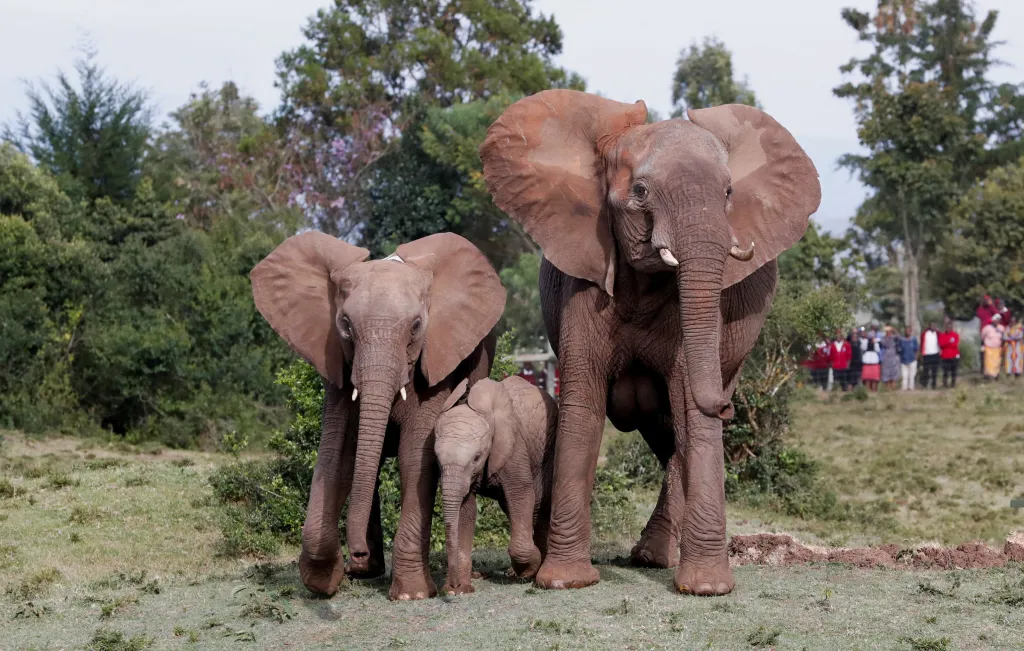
x: 630, y: 456
x: 91, y: 138
x: 985, y: 253
x: 930, y: 120
x: 371, y: 67
x: 219, y: 160
x: 522, y: 308
x: 704, y: 77
x: 115, y: 314
x: 504, y: 364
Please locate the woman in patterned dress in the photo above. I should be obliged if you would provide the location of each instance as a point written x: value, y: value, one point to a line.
x: 890, y: 359
x: 1013, y: 347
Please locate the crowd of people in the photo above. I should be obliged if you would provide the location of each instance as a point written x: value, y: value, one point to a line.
x: 1002, y: 340
x: 875, y: 356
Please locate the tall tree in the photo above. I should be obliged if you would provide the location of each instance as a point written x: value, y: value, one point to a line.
x: 91, y: 137
x: 985, y: 253
x: 704, y: 77
x: 372, y: 67
x: 923, y: 105
x: 218, y: 158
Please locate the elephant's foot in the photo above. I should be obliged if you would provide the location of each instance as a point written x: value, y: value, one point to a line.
x: 321, y: 576
x: 705, y: 579
x: 561, y: 576
x: 657, y: 550
x: 369, y: 566
x: 410, y: 587
x: 527, y: 565
x: 465, y: 588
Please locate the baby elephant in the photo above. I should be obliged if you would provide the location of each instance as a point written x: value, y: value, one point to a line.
x: 499, y: 444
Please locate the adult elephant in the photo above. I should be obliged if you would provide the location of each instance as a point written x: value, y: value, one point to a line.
x: 659, y: 267
x: 391, y: 338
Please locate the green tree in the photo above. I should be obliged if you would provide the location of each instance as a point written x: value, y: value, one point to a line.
x: 704, y: 77
x: 817, y: 258
x: 91, y: 138
x: 370, y: 70
x: 925, y: 113
x: 985, y: 253
x: 522, y: 308
x: 218, y: 158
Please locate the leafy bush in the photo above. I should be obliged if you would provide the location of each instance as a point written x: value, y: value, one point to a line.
x: 630, y: 456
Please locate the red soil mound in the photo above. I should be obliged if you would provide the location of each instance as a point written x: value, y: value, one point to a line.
x: 783, y: 550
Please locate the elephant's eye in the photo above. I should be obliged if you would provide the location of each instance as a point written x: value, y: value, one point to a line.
x: 476, y: 458
x: 640, y: 191
x: 728, y: 192
x: 416, y: 325
x: 346, y: 328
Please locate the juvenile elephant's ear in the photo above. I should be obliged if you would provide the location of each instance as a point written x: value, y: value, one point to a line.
x: 293, y: 291
x: 456, y: 394
x: 490, y: 399
x: 544, y: 165
x: 466, y: 300
x: 775, y: 185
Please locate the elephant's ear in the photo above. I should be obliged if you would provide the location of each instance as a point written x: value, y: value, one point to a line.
x: 544, y: 165
x: 775, y: 185
x: 457, y: 393
x: 466, y: 300
x: 490, y: 399
x: 293, y: 291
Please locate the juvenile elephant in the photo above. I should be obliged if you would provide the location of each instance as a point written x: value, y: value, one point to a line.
x: 500, y: 445
x: 659, y: 268
x: 391, y: 339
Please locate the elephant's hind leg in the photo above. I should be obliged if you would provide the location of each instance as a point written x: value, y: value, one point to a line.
x: 659, y: 543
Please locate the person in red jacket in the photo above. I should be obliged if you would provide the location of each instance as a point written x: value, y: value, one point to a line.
x: 840, y: 355
x: 817, y: 362
x: 949, y: 347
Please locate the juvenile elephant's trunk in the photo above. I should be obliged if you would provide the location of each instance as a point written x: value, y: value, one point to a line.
x: 376, y: 378
x: 454, y: 488
x: 699, y: 278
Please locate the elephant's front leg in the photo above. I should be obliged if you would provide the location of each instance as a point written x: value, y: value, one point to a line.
x: 321, y: 565
x: 410, y: 560
x: 703, y: 558
x: 659, y: 543
x: 525, y: 555
x: 580, y: 426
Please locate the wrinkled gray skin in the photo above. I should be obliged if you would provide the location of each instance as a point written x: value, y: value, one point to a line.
x: 500, y: 445
x: 652, y: 294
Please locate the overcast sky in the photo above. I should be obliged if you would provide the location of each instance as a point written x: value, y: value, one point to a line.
x: 626, y: 49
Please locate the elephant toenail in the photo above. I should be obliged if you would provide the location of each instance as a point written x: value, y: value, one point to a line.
x: 723, y: 588
x: 704, y: 588
x: 684, y: 588
x: 404, y: 597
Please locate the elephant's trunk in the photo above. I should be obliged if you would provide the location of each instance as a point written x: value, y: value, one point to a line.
x: 454, y: 488
x: 699, y: 278
x: 376, y: 377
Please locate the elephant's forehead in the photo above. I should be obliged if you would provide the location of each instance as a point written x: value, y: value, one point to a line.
x: 677, y: 139
x: 387, y: 281
x: 459, y: 420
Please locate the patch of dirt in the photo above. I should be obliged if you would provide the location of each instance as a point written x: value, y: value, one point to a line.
x: 783, y: 550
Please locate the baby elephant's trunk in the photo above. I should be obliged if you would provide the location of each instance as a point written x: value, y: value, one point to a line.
x: 454, y: 488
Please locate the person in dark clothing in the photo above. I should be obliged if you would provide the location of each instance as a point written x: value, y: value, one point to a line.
x: 856, y: 359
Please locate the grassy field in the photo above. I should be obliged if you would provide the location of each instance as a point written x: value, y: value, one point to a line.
x: 110, y: 548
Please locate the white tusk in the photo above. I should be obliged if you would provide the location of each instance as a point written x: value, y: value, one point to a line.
x: 740, y: 254
x: 668, y: 258
x: 355, y: 394
x: 402, y: 393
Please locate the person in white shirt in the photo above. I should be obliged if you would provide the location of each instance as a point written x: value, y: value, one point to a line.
x: 930, y: 355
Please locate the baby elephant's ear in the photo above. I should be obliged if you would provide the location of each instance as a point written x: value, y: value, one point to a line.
x: 457, y: 393
x: 490, y: 399
x: 466, y: 300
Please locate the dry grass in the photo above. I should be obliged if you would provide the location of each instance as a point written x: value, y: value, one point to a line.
x: 946, y: 463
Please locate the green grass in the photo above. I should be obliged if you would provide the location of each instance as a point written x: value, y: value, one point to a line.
x: 146, y: 572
